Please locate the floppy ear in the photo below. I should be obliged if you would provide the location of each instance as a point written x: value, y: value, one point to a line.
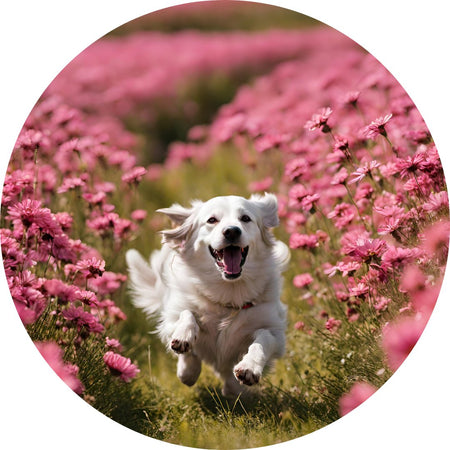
x: 182, y: 218
x: 268, y: 206
x: 176, y: 213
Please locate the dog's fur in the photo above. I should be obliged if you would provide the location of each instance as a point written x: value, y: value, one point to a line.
x: 213, y: 306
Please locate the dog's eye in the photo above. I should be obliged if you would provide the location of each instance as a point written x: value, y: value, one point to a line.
x: 245, y: 218
x: 212, y: 220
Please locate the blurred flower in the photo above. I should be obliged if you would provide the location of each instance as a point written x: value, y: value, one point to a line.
x: 342, y: 215
x: 139, y: 215
x: 333, y: 325
x: 399, y: 339
x: 134, y: 176
x: 302, y: 280
x: 358, y: 394
x: 114, y: 343
x: 53, y: 354
x: 262, y: 185
x: 298, y: 240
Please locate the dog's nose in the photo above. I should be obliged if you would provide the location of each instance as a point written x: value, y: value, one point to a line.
x: 232, y: 234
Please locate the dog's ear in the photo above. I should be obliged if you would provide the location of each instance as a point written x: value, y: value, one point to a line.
x: 268, y: 205
x: 176, y: 213
x: 182, y: 219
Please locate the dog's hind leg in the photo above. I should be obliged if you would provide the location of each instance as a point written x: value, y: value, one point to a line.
x: 231, y: 387
x: 188, y: 368
x: 266, y: 346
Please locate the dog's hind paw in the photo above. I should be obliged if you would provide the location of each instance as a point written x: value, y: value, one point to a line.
x: 179, y: 346
x: 246, y: 376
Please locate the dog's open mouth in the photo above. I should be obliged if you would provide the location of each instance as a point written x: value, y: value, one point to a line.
x: 230, y: 260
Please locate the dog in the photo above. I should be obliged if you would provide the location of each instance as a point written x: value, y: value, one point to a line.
x: 215, y: 288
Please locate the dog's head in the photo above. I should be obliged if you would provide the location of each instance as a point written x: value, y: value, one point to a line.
x: 224, y: 233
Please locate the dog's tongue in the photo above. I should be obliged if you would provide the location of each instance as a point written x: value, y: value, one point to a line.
x: 232, y: 258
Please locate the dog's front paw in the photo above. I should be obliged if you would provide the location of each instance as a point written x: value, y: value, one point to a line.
x: 246, y: 376
x: 179, y: 346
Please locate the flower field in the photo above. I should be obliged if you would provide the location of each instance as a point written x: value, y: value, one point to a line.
x: 128, y: 128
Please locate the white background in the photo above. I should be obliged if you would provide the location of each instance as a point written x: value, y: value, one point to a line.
x: 38, y: 38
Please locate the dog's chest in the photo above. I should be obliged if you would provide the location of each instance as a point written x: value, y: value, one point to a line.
x: 224, y: 336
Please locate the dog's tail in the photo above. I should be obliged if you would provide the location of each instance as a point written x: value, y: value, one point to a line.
x: 142, y: 283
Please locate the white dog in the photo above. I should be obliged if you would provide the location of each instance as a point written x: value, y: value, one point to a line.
x: 215, y: 286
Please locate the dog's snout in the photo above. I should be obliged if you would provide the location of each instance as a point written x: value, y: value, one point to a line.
x: 232, y: 234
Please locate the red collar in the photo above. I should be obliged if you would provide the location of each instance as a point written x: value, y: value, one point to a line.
x: 247, y: 305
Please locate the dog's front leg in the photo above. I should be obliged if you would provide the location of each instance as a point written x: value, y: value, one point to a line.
x: 185, y: 334
x: 266, y: 346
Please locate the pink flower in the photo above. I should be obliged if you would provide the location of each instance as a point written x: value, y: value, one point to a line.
x: 84, y: 321
x: 381, y: 304
x: 363, y: 191
x: 108, y: 283
x: 296, y: 194
x: 87, y: 297
x: 360, y: 290
x: 351, y: 98
x: 139, y: 215
x: 340, y: 144
x: 390, y: 226
x: 345, y: 267
x: 120, y: 366
x: 320, y: 120
x: 340, y: 177
x: 436, y: 240
x: 109, y: 311
x: 333, y: 325
x: 268, y: 141
x: 53, y: 354
x: 295, y: 168
x: 358, y: 394
x: 436, y: 202
x: 396, y: 257
x: 307, y: 241
x: 262, y: 185
x: 114, y: 343
x: 28, y: 212
x: 411, y: 164
x: 135, y: 175
x: 413, y: 280
x: 302, y: 280
x: 399, y: 339
x: 27, y: 296
x: 63, y: 292
x: 95, y: 199
x: 308, y: 202
x: 366, y: 249
x: 71, y: 183
x: 376, y: 127
x: 91, y: 268
x: 424, y: 300
x: 342, y: 215
x: 361, y: 172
